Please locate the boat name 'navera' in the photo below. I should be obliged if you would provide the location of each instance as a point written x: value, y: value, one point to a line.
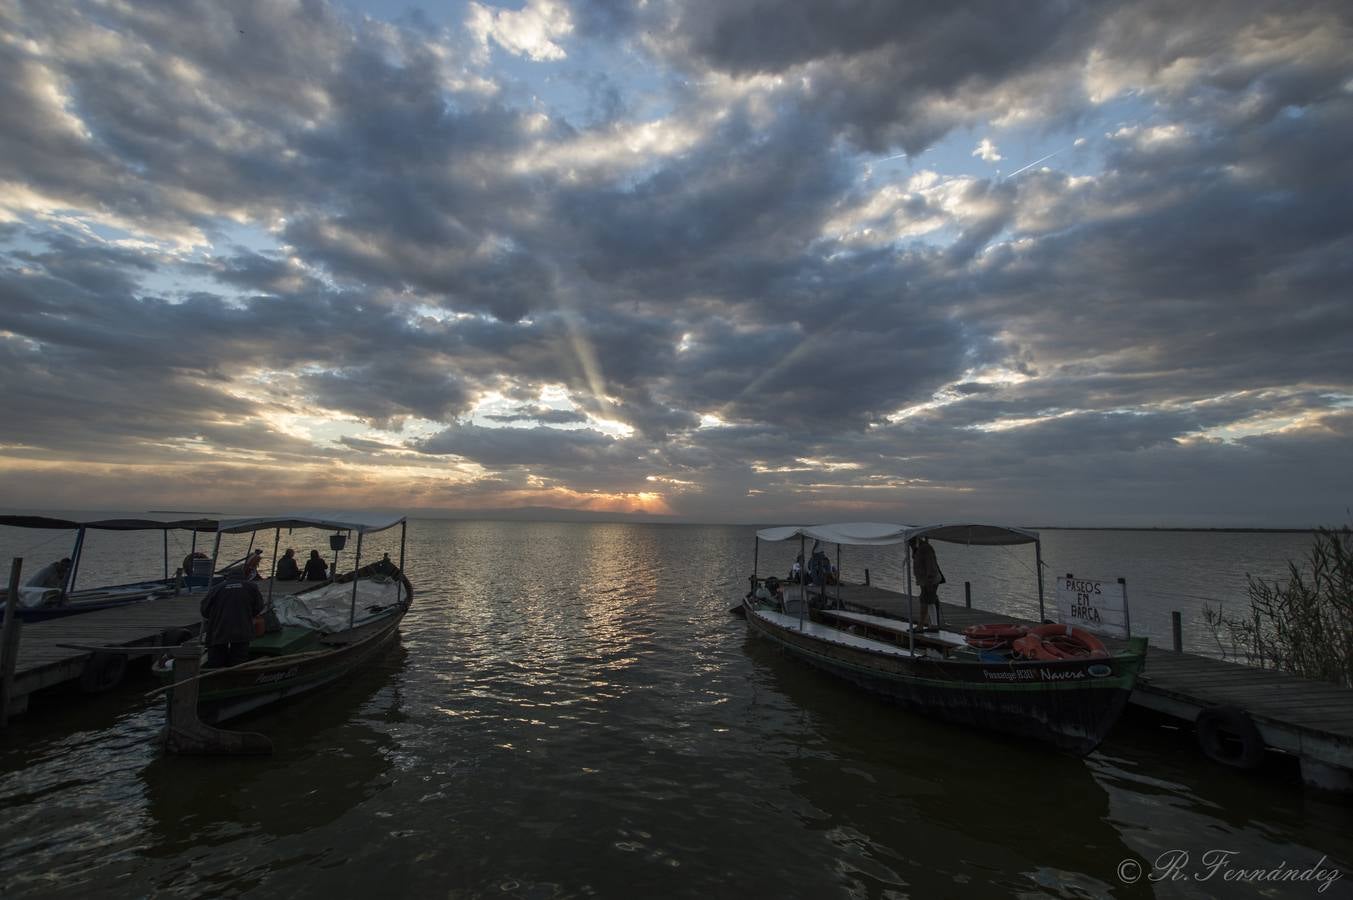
x: 269, y: 677
x: 1033, y: 675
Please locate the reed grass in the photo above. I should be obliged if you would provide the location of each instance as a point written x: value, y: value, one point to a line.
x: 1304, y: 626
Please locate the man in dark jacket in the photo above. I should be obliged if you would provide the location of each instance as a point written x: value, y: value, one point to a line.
x: 228, y: 610
x: 926, y: 568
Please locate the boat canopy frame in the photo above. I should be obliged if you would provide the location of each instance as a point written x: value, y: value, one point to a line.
x: 882, y: 534
x: 80, y: 527
x: 360, y: 524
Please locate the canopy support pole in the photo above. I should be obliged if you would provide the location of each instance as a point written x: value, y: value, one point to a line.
x: 803, y: 585
x: 356, y: 564
x: 215, y: 554
x: 166, y: 553
x: 838, y: 576
x: 75, y: 562
x: 1038, y: 565
x: 399, y: 585
x: 911, y: 619
x: 276, y: 539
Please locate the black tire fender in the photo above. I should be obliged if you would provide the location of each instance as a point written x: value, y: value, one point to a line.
x: 103, y: 672
x: 1227, y: 735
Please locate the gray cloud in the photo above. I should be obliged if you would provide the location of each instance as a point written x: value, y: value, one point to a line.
x: 1161, y: 326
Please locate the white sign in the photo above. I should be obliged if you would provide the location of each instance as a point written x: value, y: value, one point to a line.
x: 1095, y: 605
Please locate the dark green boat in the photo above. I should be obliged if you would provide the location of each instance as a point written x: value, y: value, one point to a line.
x: 323, y: 631
x: 1070, y: 703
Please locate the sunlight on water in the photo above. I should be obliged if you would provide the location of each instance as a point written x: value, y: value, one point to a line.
x: 572, y: 711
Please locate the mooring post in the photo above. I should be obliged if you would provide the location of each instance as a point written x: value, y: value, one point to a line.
x: 967, y: 594
x: 9, y: 639
x: 179, y: 730
x: 1177, y: 627
x: 866, y: 578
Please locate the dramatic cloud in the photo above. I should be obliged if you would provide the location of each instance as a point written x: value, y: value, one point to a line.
x: 728, y: 260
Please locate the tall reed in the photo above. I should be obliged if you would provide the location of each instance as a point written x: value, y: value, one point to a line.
x: 1306, y: 626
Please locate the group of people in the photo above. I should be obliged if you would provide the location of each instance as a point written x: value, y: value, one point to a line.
x: 925, y: 569
x: 819, y: 569
x: 230, y: 608
x: 316, y: 569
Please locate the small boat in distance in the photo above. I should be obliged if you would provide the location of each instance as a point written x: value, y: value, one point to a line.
x: 51, y: 593
x: 1068, y: 695
x: 316, y: 633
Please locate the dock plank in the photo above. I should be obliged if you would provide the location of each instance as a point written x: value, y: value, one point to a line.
x: 42, y: 663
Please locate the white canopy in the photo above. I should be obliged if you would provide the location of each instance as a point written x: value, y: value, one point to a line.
x: 882, y: 534
x: 852, y: 533
x: 361, y: 523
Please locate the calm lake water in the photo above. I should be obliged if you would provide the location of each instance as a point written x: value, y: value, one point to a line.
x: 573, y: 712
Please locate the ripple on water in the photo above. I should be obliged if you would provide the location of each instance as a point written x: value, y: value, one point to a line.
x: 572, y: 712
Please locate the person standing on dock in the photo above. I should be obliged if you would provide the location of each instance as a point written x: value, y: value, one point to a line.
x: 928, y: 575
x: 228, y: 611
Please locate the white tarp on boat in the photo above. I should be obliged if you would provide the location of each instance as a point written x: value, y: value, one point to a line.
x: 33, y: 597
x: 327, y: 608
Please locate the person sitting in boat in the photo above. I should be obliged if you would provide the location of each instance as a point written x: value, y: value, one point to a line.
x: 770, y: 591
x: 819, y: 568
x: 251, y: 563
x: 287, y: 568
x: 384, y: 566
x: 316, y: 569
x: 52, y: 575
x: 926, y: 568
x: 228, y: 613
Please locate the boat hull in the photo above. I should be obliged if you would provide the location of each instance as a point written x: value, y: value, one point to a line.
x: 1070, y: 704
x: 230, y: 693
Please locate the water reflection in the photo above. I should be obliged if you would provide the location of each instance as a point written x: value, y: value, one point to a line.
x: 573, y: 712
x: 326, y: 760
x: 908, y: 802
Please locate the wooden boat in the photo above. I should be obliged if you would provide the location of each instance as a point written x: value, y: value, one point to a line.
x: 1069, y: 703
x: 36, y: 603
x: 323, y: 632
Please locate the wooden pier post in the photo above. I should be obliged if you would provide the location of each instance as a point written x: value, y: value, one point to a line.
x: 185, y: 732
x: 967, y: 594
x: 866, y: 578
x: 9, y: 639
x: 1177, y: 629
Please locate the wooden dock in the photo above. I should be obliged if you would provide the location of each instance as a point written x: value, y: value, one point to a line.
x: 1310, y: 719
x: 41, y: 662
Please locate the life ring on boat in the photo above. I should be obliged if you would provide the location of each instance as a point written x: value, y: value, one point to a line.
x: 103, y: 672
x: 1227, y: 735
x: 991, y: 637
x: 1053, y: 641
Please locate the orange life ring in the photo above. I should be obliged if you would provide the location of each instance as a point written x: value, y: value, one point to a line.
x: 1056, y: 641
x: 990, y: 637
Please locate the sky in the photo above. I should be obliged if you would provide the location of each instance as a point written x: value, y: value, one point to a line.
x: 1049, y: 263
